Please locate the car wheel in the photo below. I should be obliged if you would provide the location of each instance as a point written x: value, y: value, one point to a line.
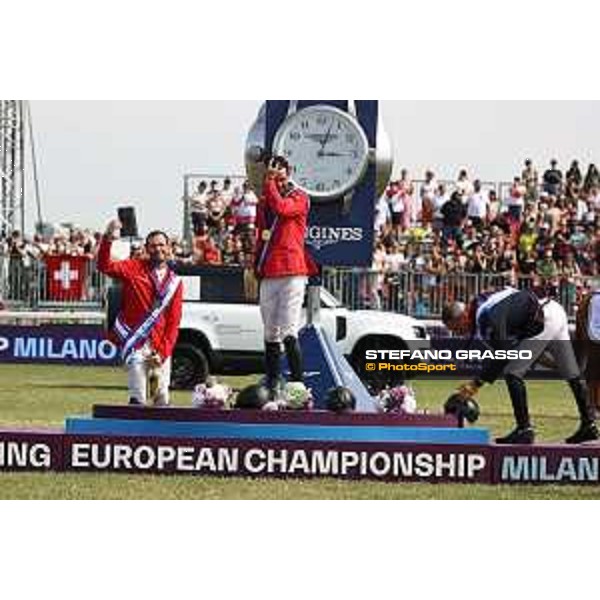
x: 189, y: 368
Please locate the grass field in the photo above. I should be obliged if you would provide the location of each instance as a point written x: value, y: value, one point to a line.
x: 45, y: 395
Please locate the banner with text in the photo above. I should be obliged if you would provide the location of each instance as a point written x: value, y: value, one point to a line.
x: 58, y: 344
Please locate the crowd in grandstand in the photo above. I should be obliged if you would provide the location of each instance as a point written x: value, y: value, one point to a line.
x: 539, y: 229
x: 223, y: 219
x: 544, y: 225
x: 547, y: 226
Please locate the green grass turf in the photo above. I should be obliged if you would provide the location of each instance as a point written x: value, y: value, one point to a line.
x: 45, y: 395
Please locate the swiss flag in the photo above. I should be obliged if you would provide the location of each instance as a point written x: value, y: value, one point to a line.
x: 66, y: 277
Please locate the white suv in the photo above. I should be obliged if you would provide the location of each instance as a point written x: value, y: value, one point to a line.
x: 221, y: 332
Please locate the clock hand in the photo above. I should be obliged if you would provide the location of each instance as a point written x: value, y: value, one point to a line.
x: 327, y: 136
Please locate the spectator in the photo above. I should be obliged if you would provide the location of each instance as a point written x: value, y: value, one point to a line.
x: 554, y: 214
x: 529, y: 176
x: 199, y: 207
x: 463, y: 184
x: 572, y: 190
x: 574, y: 174
x: 395, y: 258
x: 477, y: 206
x: 229, y: 255
x: 199, y: 243
x: 18, y: 264
x: 427, y: 194
x: 553, y: 179
x: 578, y: 239
x: 478, y: 261
x: 592, y: 179
x: 527, y: 239
x: 440, y: 198
x: 245, y: 211
x: 527, y: 263
x: 216, y: 209
x: 546, y: 267
x: 471, y: 236
x: 396, y: 201
x: 581, y: 208
x: 454, y: 214
x: 494, y: 206
x: 4, y: 269
x: 506, y: 263
x: 227, y: 192
x: 593, y: 196
x: 411, y: 210
x: 382, y: 214
x: 515, y: 202
x: 376, y: 277
x: 212, y: 254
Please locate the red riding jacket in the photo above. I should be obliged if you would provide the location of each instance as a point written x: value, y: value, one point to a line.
x: 139, y: 295
x: 281, y: 229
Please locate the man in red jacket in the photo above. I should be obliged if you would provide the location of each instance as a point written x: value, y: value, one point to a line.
x: 282, y: 266
x: 147, y: 326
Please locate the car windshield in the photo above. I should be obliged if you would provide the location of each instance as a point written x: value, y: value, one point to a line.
x: 329, y: 300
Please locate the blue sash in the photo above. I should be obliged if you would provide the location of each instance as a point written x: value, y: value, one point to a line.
x: 132, y: 338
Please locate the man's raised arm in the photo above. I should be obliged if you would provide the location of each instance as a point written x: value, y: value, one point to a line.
x: 108, y: 266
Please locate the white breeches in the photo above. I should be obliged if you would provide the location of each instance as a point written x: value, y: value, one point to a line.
x: 139, y: 373
x: 554, y: 339
x: 281, y: 301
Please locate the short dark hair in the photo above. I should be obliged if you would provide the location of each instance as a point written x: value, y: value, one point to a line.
x: 452, y: 311
x: 279, y: 162
x: 155, y: 233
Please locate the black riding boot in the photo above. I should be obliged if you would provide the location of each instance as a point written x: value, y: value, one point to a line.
x: 294, y: 357
x: 524, y: 433
x: 588, y: 430
x: 272, y: 366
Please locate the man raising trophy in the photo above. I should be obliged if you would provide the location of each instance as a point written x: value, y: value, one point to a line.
x: 283, y: 266
x: 147, y: 324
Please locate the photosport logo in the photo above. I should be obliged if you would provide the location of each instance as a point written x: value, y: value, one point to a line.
x: 447, y: 362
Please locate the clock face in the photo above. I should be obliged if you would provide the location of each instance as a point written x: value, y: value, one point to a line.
x: 327, y: 149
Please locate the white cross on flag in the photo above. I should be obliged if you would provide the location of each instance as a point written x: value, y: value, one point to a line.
x: 66, y: 277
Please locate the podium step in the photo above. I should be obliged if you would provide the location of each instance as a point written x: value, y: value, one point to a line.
x: 272, y: 431
x: 315, y: 417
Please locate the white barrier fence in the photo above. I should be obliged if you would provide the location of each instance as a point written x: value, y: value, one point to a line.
x: 420, y: 294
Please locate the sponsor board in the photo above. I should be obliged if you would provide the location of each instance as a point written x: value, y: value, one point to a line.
x: 548, y: 464
x: 378, y: 462
x: 382, y: 462
x: 31, y: 451
x: 392, y: 463
x: 43, y: 451
x: 58, y: 344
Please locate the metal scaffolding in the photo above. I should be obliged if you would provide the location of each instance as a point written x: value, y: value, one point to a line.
x: 12, y: 165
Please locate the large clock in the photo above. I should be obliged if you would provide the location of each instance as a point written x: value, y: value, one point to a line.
x: 327, y: 148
